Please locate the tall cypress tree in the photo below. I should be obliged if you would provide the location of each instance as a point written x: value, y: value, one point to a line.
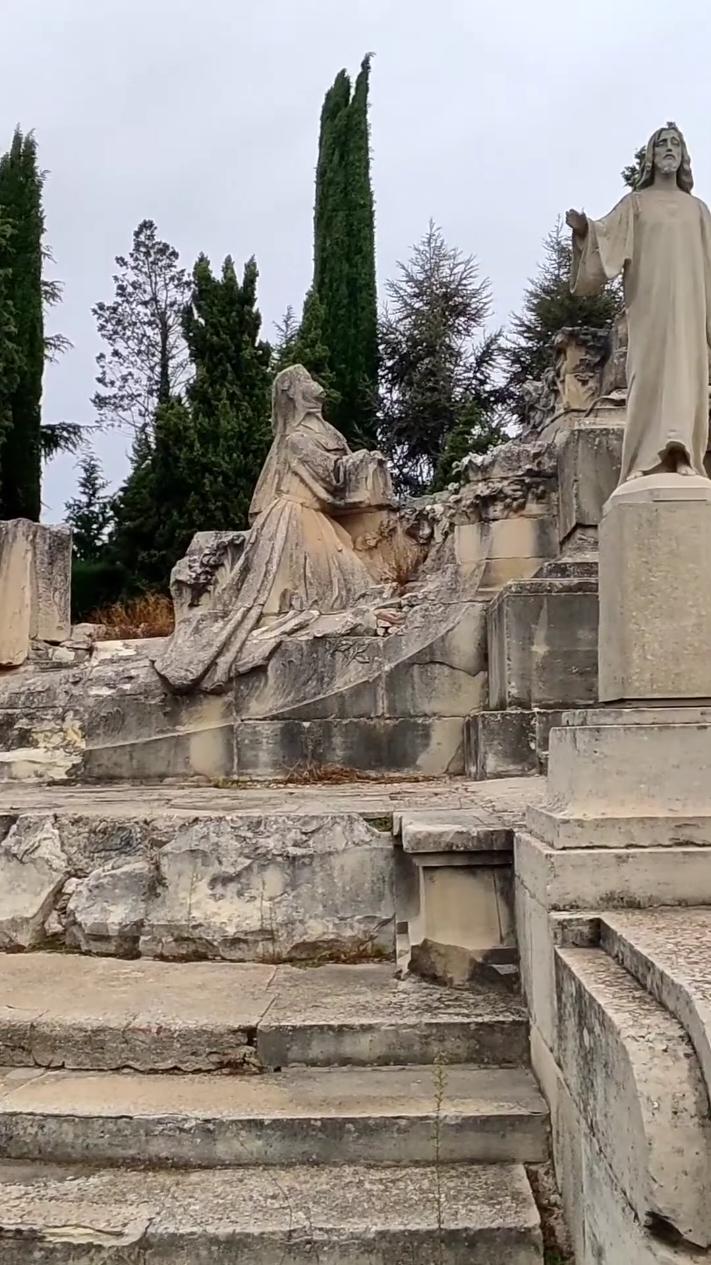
x: 344, y: 257
x: 21, y: 269
x: 198, y: 469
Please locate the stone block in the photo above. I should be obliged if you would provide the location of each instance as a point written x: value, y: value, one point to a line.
x: 655, y: 590
x: 106, y: 910
x: 543, y: 644
x: 630, y: 1068
x: 33, y: 868
x: 500, y: 744
x: 417, y: 745
x: 35, y: 582
x: 589, y: 460
x: 274, y: 888
x: 627, y: 777
x: 631, y: 878
x: 52, y: 584
x: 16, y: 563
x: 317, y: 678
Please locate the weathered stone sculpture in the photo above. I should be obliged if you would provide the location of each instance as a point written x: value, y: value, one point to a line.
x: 659, y: 238
x: 297, y: 556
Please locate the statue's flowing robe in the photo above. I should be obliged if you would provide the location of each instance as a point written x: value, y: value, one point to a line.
x: 296, y: 557
x: 661, y: 242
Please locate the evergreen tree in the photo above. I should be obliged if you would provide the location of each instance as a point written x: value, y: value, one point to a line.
x: 198, y: 469
x: 438, y: 367
x: 341, y: 309
x: 22, y: 310
x: 89, y: 513
x: 632, y: 175
x: 549, y: 306
x: 8, y: 351
x: 146, y: 361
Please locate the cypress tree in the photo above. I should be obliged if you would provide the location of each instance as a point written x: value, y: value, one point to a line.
x: 344, y: 258
x: 21, y: 269
x: 198, y: 469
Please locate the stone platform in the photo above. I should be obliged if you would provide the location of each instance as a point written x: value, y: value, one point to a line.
x: 283, y: 873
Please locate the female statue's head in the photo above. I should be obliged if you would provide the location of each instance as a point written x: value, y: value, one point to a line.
x: 294, y: 394
x: 666, y: 153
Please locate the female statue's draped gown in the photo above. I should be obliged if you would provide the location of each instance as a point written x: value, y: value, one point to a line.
x: 296, y: 556
x: 660, y: 240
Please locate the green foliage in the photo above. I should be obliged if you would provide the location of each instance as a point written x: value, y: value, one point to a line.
x: 89, y: 513
x: 439, y: 390
x: 344, y: 327
x: 146, y: 360
x: 474, y: 432
x: 22, y: 321
x: 632, y: 175
x: 549, y: 306
x: 198, y: 469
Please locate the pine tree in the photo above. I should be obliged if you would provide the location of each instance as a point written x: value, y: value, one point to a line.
x: 344, y: 285
x: 89, y: 513
x: 8, y: 351
x: 22, y: 310
x: 549, y: 306
x: 146, y: 361
x: 438, y: 366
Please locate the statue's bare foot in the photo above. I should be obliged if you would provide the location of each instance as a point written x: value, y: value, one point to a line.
x: 635, y: 474
x: 683, y: 467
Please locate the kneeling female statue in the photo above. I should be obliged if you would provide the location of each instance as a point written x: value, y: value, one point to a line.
x: 297, y: 555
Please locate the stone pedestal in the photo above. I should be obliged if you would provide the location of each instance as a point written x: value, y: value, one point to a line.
x: 35, y: 585
x: 628, y: 777
x: 655, y: 590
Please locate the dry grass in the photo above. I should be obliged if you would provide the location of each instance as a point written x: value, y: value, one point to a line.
x: 147, y: 616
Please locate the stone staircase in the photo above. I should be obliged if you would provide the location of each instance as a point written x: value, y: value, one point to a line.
x: 188, y: 1113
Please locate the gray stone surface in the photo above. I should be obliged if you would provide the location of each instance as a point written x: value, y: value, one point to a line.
x: 629, y: 1067
x: 376, y: 798
x: 589, y: 459
x: 33, y: 868
x: 655, y: 590
x: 105, y: 912
x: 269, y: 1216
x: 302, y: 1115
x: 35, y: 583
x: 543, y: 644
x: 272, y: 888
x: 414, y: 746
x: 501, y: 744
x: 630, y: 878
x: 455, y: 830
x: 627, y: 777
x: 104, y: 1014
x: 667, y: 951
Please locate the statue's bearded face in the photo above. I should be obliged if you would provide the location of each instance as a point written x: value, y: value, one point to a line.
x: 667, y: 151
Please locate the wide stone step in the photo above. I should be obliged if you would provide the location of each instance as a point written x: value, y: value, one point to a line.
x: 65, y: 1011
x: 352, y: 1215
x: 667, y: 952
x: 317, y: 1115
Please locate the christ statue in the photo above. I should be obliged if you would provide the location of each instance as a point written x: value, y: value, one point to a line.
x: 659, y: 238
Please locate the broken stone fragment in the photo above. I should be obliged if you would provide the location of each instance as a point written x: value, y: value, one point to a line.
x: 33, y: 867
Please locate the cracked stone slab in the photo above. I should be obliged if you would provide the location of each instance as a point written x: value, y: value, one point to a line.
x: 68, y: 1011
x: 373, y: 1115
x: 102, y: 1013
x: 267, y: 1216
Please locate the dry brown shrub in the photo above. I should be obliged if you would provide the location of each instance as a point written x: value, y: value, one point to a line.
x: 148, y: 616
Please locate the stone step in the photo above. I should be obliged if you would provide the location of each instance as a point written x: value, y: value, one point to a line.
x: 304, y: 1115
x: 103, y: 1014
x: 667, y: 952
x: 352, y: 1215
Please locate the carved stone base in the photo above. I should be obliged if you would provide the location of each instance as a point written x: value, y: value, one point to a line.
x: 628, y: 777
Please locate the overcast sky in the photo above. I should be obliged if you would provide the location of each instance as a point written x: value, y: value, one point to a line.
x: 491, y: 117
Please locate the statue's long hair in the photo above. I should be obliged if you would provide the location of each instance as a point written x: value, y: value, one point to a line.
x: 684, y: 176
